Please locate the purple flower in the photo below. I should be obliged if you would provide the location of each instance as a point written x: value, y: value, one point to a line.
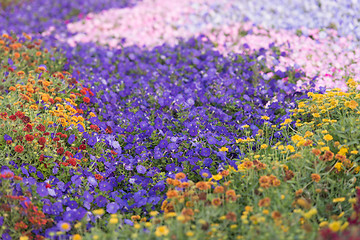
x: 92, y: 181
x: 105, y: 186
x: 71, y: 139
x: 101, y: 201
x: 205, y: 152
x: 7, y: 138
x: 128, y: 222
x: 92, y: 141
x: 112, y: 207
x: 64, y: 226
x: 140, y: 169
x: 42, y: 190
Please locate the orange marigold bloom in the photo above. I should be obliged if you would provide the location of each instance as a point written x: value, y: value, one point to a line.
x: 16, y: 55
x: 202, y: 185
x: 328, y: 156
x: 248, y: 164
x: 230, y: 193
x: 275, y: 214
x: 185, y: 185
x: 298, y: 192
x: 38, y: 54
x: 219, y: 189
x: 224, y: 173
x: 264, y: 181
x: 12, y: 88
x: 216, y: 202
x: 20, y: 73
x: 180, y: 176
x: 169, y: 181
x: 265, y: 202
x: 316, y: 151
x: 231, y: 216
x: 187, y: 212
x: 315, y: 177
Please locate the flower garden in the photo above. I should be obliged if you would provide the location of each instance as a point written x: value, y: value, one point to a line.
x: 192, y: 119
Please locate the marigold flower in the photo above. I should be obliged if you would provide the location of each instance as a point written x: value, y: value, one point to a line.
x: 162, y: 231
x: 265, y: 202
x: 328, y: 137
x: 335, y: 226
x: 86, y: 99
x: 216, y: 202
x: 202, y: 185
x: 230, y: 193
x: 19, y: 149
x: 172, y: 194
x: 98, y: 212
x: 336, y: 200
x: 315, y: 177
x: 219, y: 189
x: 180, y: 176
x: 316, y: 151
x: 231, y: 216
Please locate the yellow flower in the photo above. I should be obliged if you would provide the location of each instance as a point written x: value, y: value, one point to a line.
x: 344, y: 226
x: 287, y: 121
x: 24, y: 238
x: 78, y: 225
x: 180, y: 218
x: 323, y: 224
x: 95, y: 237
x: 223, y: 149
x: 217, y: 177
x: 137, y: 226
x: 148, y: 224
x: 99, y: 211
x: 351, y: 104
x: 77, y: 237
x: 343, y: 151
x: 338, y: 166
x: 189, y: 233
x: 265, y: 118
x: 335, y: 226
x: 154, y: 213
x: 161, y: 231
x: 113, y: 221
x: 354, y: 152
x: 336, y: 200
x: 328, y: 137
x: 245, y: 126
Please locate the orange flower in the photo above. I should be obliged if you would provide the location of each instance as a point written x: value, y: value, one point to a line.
x: 275, y: 214
x: 12, y: 88
x: 231, y: 216
x: 316, y: 151
x: 230, y: 193
x: 264, y: 182
x: 38, y: 54
x: 180, y: 176
x: 219, y: 189
x: 202, y: 185
x: 187, y: 212
x: 265, y: 202
x: 216, y: 202
x: 315, y: 177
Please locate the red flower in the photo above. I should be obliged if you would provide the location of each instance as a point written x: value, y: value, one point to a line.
x: 29, y: 126
x: 86, y: 99
x: 41, y: 158
x: 29, y: 137
x: 41, y: 128
x: 68, y: 154
x: 46, y: 134
x: 63, y: 136
x: 82, y: 146
x: 72, y: 161
x: 19, y: 148
x: 56, y: 139
x: 13, y: 117
x: 83, y: 91
x: 20, y: 225
x: 48, y: 185
x: 19, y: 114
x: 42, y: 141
x: 51, y: 100
x: 60, y: 150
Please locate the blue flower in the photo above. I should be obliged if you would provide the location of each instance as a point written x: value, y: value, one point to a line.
x: 71, y: 139
x: 112, y: 207
x: 42, y: 190
x: 140, y: 169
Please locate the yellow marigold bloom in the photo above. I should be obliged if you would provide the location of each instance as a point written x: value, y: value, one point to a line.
x: 290, y: 148
x: 354, y: 152
x: 76, y: 237
x: 245, y: 126
x: 351, y: 104
x: 335, y: 226
x: 162, y: 231
x: 217, y: 177
x: 223, y: 149
x: 99, y: 211
x: 323, y: 224
x: 343, y: 151
x: 310, y: 213
x: 96, y: 237
x: 323, y: 149
x: 137, y: 226
x: 170, y: 214
x: 263, y: 146
x: 190, y: 233
x: 92, y: 114
x: 24, y: 238
x: 287, y: 121
x: 336, y: 200
x: 113, y: 221
x: 265, y: 118
x: 344, y: 226
x: 148, y: 224
x: 338, y: 166
x: 154, y: 213
x: 351, y: 83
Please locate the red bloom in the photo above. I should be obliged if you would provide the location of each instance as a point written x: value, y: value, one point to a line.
x: 19, y: 148
x: 41, y: 158
x: 48, y: 185
x: 13, y: 117
x: 29, y: 126
x: 51, y: 100
x: 46, y: 134
x: 29, y: 137
x: 83, y: 91
x: 56, y: 139
x: 82, y: 146
x: 63, y: 136
x: 41, y: 128
x: 60, y: 150
x: 42, y: 141
x: 68, y: 154
x: 20, y: 225
x: 86, y: 99
x: 19, y: 114
x: 72, y: 161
